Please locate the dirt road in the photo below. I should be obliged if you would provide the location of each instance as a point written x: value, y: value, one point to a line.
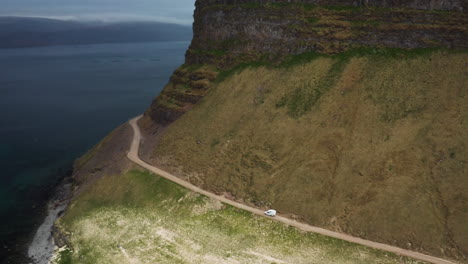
x: 133, y: 156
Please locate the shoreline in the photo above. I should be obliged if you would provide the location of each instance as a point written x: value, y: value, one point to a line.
x: 42, y: 247
x: 14, y: 247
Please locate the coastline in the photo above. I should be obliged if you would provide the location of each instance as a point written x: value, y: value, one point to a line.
x: 43, y: 246
x: 37, y: 158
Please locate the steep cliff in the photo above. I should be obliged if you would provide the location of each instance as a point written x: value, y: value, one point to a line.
x: 230, y: 33
x: 350, y: 115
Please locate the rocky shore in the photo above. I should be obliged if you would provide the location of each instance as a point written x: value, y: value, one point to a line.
x: 43, y: 246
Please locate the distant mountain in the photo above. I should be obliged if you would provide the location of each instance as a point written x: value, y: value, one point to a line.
x: 18, y: 32
x: 32, y: 24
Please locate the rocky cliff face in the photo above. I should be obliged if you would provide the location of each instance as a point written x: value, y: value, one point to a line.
x: 458, y: 5
x: 232, y: 32
x: 229, y: 32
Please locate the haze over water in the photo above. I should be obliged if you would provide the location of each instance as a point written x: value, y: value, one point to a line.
x: 56, y: 103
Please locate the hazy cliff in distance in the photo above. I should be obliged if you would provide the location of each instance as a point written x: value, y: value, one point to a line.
x: 19, y: 32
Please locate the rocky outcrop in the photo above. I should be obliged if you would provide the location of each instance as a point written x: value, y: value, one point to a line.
x: 232, y: 32
x: 61, y: 239
x: 187, y: 86
x: 458, y: 5
x: 229, y: 32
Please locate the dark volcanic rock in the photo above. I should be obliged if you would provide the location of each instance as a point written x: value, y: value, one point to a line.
x: 60, y: 238
x: 164, y: 115
x: 458, y: 5
x: 225, y: 31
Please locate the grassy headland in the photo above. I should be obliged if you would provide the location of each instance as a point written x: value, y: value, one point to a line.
x: 139, y: 217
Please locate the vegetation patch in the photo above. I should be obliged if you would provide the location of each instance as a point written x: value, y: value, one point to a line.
x: 365, y: 23
x: 141, y: 218
x: 223, y: 75
x: 312, y: 20
x: 64, y: 257
x: 302, y: 99
x: 358, y: 51
x: 213, y: 52
x: 192, y: 68
x: 378, y: 136
x: 342, y: 8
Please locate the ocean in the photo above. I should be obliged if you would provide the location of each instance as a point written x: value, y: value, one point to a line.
x: 55, y: 104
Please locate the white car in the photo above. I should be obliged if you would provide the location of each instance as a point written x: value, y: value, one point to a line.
x: 270, y: 212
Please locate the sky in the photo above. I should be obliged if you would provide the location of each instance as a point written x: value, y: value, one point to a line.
x: 170, y: 11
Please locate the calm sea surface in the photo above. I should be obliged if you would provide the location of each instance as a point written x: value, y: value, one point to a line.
x: 56, y: 103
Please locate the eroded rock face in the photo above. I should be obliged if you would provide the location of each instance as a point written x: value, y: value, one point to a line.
x: 186, y: 87
x: 458, y: 5
x: 231, y: 32
x: 227, y: 32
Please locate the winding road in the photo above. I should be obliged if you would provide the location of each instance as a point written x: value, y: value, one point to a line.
x: 133, y: 156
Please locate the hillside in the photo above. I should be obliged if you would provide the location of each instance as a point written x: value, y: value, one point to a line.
x: 19, y: 32
x: 371, y: 146
x: 120, y: 212
x: 344, y: 116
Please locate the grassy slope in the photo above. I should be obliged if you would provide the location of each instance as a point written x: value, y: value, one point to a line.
x: 373, y: 146
x: 155, y: 221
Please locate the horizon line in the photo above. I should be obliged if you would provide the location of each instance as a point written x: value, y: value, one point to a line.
x: 105, y: 20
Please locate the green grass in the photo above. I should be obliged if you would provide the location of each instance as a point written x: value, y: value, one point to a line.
x: 157, y: 221
x: 304, y: 6
x: 332, y: 8
x: 368, y: 117
x: 65, y: 257
x: 223, y: 75
x: 312, y: 20
x: 193, y: 67
x: 365, y: 23
x: 342, y: 8
x: 300, y: 100
x: 293, y: 60
x: 137, y: 189
x: 287, y: 62
x: 214, y: 52
x: 304, y: 98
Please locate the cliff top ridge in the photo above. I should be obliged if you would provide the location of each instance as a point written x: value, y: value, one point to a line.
x: 452, y: 5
